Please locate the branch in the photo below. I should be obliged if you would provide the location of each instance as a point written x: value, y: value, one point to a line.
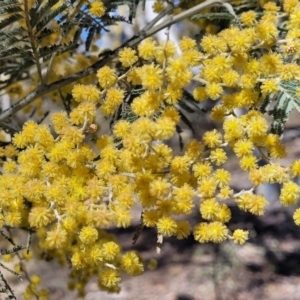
x: 135, y: 40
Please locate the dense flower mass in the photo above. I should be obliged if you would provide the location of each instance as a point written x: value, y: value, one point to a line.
x: 70, y: 191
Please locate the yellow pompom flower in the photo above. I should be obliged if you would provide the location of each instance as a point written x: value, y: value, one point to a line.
x: 173, y: 94
x: 200, y: 94
x: 214, y: 90
x: 267, y: 31
x: 240, y: 236
x: 104, y: 141
x: 178, y: 72
x: 110, y: 250
x: 158, y: 6
x: 248, y: 162
x: 222, y: 178
x: 213, y: 44
x: 257, y: 176
x: 183, y: 193
x: 248, y: 18
x: 217, y: 232
x: 97, y: 8
x: 122, y: 217
x: 253, y: 203
x: 230, y: 78
x: 295, y: 168
x: 9, y: 167
x: 218, y: 156
x: 164, y: 129
x: 88, y: 235
x: 201, y: 232
x: 79, y: 92
x: 269, y: 86
x: 147, y: 49
x: 88, y: 93
x: 72, y: 135
x: 289, y: 193
x: 114, y: 98
x: 56, y: 238
x: 202, y: 170
x: 243, y: 148
x: 109, y: 277
x: 183, y: 229
x: 19, y: 140
x: 127, y: 57
x: 179, y: 165
x: 290, y: 5
x: 166, y: 226
x: 59, y: 120
x: 218, y: 113
x: 121, y: 129
x: 13, y: 219
x: 84, y: 111
x: 172, y: 113
x: 207, y: 187
x: 212, y: 139
x: 187, y: 44
x: 131, y: 264
x: 159, y: 188
x: 39, y: 217
x: 223, y: 215
x: 151, y: 76
x: 209, y: 209
x: 7, y: 258
x: 193, y: 149
x: 296, y: 216
x: 165, y: 49
x: 78, y: 260
x: 150, y: 217
x: 106, y: 77
x: 225, y: 193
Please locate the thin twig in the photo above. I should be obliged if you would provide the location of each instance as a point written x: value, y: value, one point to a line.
x: 7, y: 286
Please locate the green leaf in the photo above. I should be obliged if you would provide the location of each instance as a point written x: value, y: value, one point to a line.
x: 44, y: 33
x: 10, y: 10
x: 179, y: 131
x: 46, y: 52
x: 281, y: 113
x: 287, y: 101
x: 186, y: 121
x: 13, y: 33
x: 89, y: 38
x: 38, y: 12
x: 10, y: 20
x: 8, y: 3
x: 23, y: 52
x: 213, y: 16
x: 40, y: 24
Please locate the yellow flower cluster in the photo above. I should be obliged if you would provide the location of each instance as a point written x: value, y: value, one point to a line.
x: 70, y: 191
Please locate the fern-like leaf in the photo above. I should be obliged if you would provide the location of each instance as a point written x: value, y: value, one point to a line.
x: 213, y: 16
x: 10, y: 10
x: 9, y: 3
x: 89, y: 38
x: 23, y: 52
x: 52, y: 15
x: 287, y: 101
x: 10, y: 20
x: 44, y: 33
x: 46, y: 52
x: 38, y: 12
